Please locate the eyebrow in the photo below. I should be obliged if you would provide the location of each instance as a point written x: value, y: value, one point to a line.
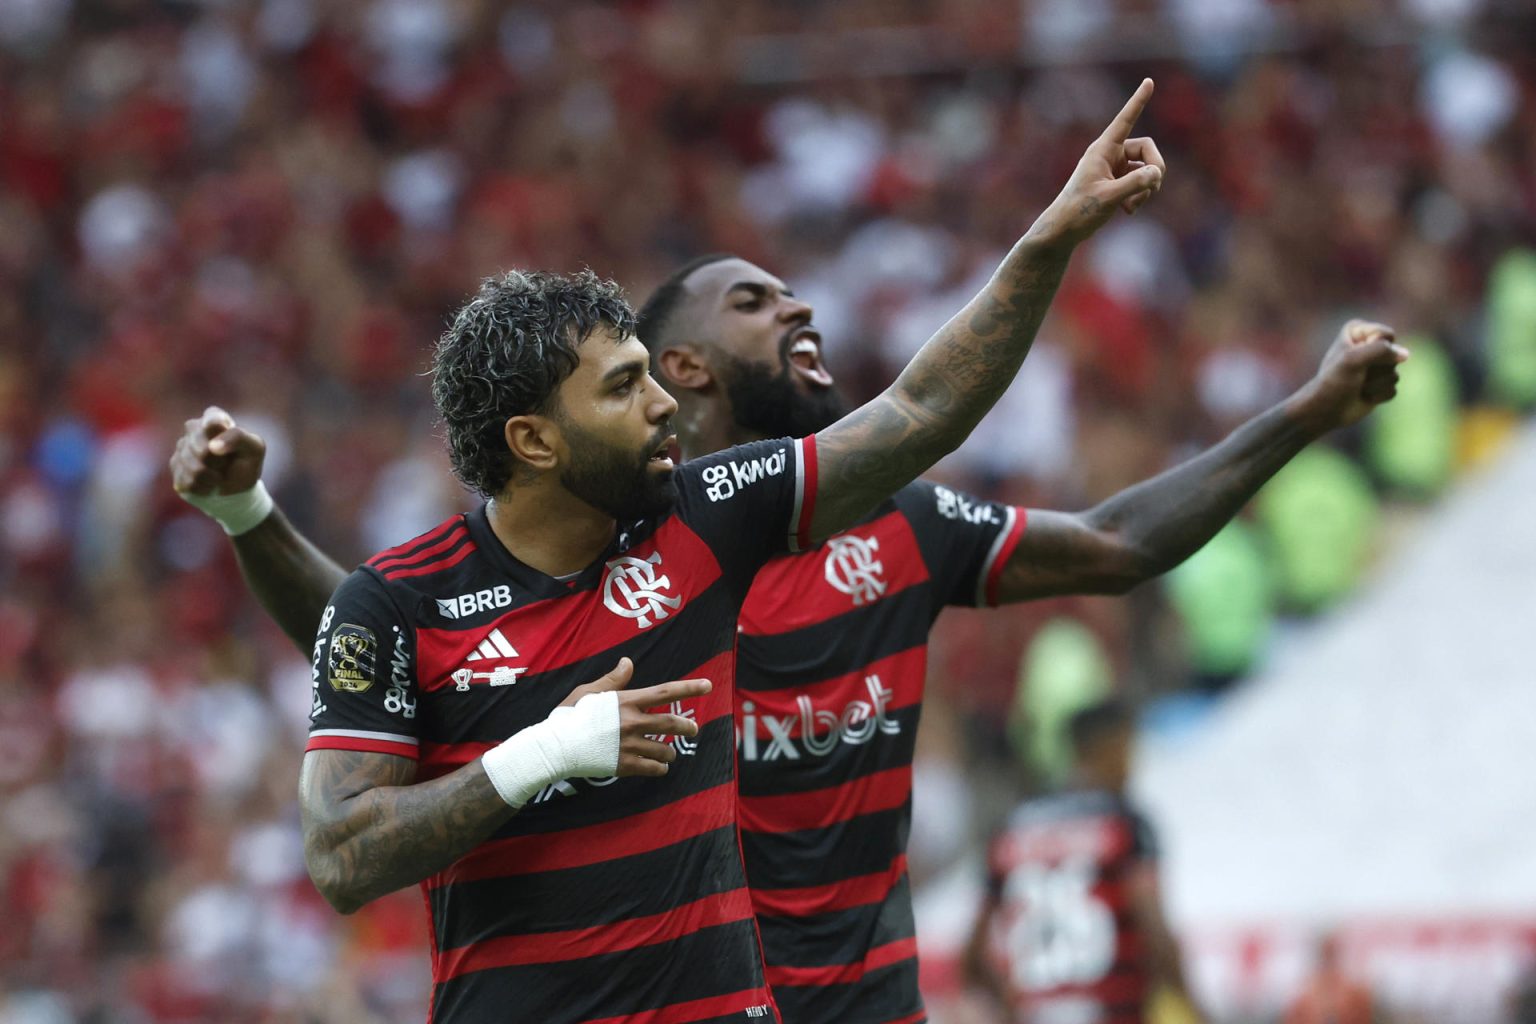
x: 758, y: 290
x: 634, y: 366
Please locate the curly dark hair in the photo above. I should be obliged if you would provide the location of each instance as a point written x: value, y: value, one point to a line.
x: 506, y: 354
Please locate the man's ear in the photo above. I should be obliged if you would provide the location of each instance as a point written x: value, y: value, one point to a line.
x: 534, y: 441
x: 683, y: 366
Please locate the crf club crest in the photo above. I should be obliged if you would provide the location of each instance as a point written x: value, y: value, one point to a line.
x: 352, y: 659
x: 853, y: 568
x: 633, y: 590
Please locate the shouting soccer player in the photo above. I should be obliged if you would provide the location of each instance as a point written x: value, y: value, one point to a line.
x: 1073, y: 926
x: 579, y: 852
x: 836, y: 636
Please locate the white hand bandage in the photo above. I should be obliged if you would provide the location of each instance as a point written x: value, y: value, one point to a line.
x: 578, y: 742
x: 237, y: 513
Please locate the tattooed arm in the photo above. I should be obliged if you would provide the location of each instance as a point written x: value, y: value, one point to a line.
x: 1150, y: 528
x: 964, y: 368
x: 291, y: 577
x: 370, y: 828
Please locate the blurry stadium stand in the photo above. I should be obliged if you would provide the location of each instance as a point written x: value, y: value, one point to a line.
x: 1365, y: 780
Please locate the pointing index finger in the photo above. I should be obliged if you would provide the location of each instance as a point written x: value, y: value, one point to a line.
x: 1120, y: 128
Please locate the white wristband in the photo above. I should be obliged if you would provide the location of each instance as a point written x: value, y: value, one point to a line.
x: 578, y: 742
x: 237, y: 513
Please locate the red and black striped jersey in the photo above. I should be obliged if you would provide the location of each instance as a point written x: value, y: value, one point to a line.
x: 602, y: 900
x: 832, y: 659
x: 1060, y: 871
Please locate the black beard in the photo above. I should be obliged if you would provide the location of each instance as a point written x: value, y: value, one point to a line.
x: 617, y: 482
x: 770, y: 404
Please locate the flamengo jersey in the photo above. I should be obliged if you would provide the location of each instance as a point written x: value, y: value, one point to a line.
x: 1060, y: 870
x: 602, y: 900
x: 832, y: 659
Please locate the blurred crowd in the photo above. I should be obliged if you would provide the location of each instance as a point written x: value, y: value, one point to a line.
x: 272, y: 205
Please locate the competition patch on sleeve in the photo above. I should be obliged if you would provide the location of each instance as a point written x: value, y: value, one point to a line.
x: 353, y: 654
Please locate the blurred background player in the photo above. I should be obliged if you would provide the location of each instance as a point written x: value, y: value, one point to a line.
x: 1072, y: 930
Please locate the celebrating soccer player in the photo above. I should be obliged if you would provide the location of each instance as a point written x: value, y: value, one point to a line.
x: 832, y: 639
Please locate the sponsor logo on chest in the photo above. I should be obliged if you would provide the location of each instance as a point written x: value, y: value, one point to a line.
x: 820, y: 729
x: 465, y: 605
x: 495, y: 647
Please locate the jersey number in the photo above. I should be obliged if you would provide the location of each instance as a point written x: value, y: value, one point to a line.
x: 1063, y: 934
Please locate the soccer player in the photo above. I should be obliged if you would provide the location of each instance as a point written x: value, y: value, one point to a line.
x: 579, y: 852
x: 1073, y: 911
x: 838, y: 634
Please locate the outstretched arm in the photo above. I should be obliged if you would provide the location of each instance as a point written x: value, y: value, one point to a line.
x: 291, y: 577
x: 1148, y: 529
x: 370, y: 828
x: 963, y: 369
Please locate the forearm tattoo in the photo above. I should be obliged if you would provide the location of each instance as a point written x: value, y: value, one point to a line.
x: 368, y: 830
x: 942, y: 394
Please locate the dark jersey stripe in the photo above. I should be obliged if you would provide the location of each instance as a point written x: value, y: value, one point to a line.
x: 823, y: 650
x: 690, y: 816
x: 554, y: 947
x: 623, y: 986
x: 809, y: 900
x: 833, y: 853
x: 884, y: 995
x: 839, y: 938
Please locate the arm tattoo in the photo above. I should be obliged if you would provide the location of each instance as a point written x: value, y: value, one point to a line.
x: 368, y: 830
x: 291, y: 577
x: 941, y: 395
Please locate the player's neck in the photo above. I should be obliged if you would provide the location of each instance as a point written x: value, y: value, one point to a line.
x: 547, y: 528
x: 707, y: 434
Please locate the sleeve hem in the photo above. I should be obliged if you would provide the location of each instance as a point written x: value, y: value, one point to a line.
x: 403, y: 746
x: 805, y: 494
x: 997, y: 558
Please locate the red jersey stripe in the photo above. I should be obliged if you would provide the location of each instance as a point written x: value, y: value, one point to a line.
x: 818, y: 808
x: 998, y: 561
x: 579, y: 943
x: 911, y: 1018
x: 844, y: 974
x: 431, y: 567
x: 694, y: 1009
x: 670, y: 823
x: 367, y: 746
x: 437, y: 547
x: 412, y: 545
x: 794, y: 592
x: 823, y: 899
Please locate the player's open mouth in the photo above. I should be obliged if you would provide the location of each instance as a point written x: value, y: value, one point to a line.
x: 805, y: 357
x: 663, y: 455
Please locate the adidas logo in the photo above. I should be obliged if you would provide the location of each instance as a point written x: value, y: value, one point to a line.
x: 493, y: 648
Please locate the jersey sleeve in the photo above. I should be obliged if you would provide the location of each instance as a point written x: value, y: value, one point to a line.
x: 965, y: 541
x: 753, y: 501
x: 363, y: 674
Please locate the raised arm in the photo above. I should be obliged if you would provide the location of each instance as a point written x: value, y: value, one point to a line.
x: 1148, y: 529
x: 963, y: 369
x: 370, y: 828
x: 216, y: 467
